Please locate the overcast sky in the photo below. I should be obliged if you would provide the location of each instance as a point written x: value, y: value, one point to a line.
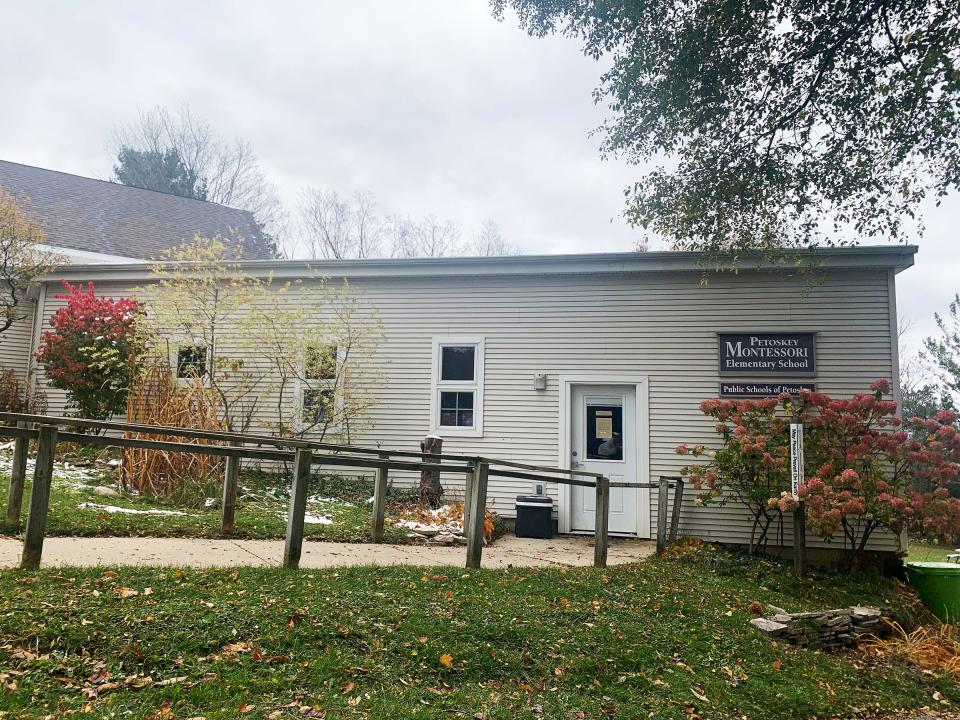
x: 430, y: 104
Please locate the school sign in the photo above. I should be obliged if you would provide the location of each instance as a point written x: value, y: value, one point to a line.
x: 768, y: 353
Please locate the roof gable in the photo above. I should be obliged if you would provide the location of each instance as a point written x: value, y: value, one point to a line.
x: 111, y: 219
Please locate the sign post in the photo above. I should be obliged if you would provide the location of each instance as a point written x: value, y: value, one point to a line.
x: 799, y: 514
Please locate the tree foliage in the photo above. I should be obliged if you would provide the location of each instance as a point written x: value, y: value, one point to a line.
x: 864, y: 467
x: 944, y: 350
x: 22, y: 259
x: 772, y: 124
x: 160, y: 170
x: 92, y: 350
x: 252, y: 339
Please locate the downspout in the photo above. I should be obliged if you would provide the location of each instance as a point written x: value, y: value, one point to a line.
x: 894, y: 339
x: 35, y: 337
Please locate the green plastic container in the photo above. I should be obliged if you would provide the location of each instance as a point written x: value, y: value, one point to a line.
x: 938, y: 584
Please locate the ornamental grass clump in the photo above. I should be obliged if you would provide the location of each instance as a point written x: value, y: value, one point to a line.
x: 863, y: 465
x: 159, y: 398
x: 930, y: 647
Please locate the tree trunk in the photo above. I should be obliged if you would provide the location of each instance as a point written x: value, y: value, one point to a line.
x: 430, y: 488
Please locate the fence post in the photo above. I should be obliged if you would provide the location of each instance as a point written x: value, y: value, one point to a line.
x: 230, y: 476
x: 467, y: 489
x: 601, y: 522
x: 39, y: 498
x: 662, y: 498
x: 298, y: 507
x: 800, y: 540
x: 379, y: 502
x: 430, y: 488
x: 478, y: 503
x: 18, y: 475
x: 675, y: 515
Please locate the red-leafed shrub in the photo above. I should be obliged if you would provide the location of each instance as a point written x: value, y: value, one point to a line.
x: 92, y: 350
x: 863, y: 464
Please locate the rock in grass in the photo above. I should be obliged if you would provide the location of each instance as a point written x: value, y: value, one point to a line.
x: 769, y: 627
x: 104, y: 491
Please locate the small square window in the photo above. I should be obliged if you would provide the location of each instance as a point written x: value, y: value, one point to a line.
x: 191, y: 361
x: 317, y: 405
x: 456, y: 409
x: 321, y: 362
x: 457, y: 362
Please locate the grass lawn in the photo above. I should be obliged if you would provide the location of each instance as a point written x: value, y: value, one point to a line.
x: 261, y: 516
x: 928, y: 552
x: 668, y: 638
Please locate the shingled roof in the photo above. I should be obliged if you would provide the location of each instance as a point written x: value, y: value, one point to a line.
x: 103, y: 217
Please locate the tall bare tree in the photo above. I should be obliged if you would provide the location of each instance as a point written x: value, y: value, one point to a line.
x: 22, y: 259
x: 336, y: 228
x: 489, y: 242
x: 227, y: 172
x: 430, y: 237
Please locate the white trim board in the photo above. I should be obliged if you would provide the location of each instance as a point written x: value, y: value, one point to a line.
x: 642, y: 385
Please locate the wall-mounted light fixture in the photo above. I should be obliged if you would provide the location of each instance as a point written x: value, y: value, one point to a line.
x: 540, y: 381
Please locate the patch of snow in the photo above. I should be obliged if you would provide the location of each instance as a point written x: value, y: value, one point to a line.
x: 329, y: 500
x: 126, y: 511
x: 311, y: 519
x: 64, y: 474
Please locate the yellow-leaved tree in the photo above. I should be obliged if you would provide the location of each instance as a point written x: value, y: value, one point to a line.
x: 291, y: 358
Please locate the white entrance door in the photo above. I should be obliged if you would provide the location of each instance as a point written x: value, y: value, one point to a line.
x: 603, y: 422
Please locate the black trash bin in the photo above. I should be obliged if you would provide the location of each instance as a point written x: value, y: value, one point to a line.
x: 534, y: 516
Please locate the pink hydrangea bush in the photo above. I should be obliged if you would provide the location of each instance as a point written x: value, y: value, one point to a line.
x: 751, y: 464
x: 865, y: 467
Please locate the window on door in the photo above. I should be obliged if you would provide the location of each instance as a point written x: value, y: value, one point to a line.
x: 604, y: 430
x: 457, y: 386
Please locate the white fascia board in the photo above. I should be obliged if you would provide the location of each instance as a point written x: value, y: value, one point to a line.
x: 898, y: 257
x: 85, y: 257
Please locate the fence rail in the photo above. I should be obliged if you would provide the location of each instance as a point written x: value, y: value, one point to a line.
x: 304, y: 454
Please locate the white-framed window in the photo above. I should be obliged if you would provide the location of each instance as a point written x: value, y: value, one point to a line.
x: 456, y: 403
x: 317, y: 406
x: 317, y: 394
x: 191, y: 361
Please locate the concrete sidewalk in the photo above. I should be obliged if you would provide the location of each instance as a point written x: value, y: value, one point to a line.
x: 507, y: 551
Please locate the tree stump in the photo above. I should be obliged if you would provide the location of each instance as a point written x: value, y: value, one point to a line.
x: 431, y: 491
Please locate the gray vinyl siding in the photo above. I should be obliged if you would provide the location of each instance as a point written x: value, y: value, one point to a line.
x: 15, y: 344
x: 661, y: 325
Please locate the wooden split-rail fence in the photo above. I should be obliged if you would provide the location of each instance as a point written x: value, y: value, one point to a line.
x: 49, y: 430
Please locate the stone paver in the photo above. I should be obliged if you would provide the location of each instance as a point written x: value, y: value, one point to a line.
x: 507, y: 551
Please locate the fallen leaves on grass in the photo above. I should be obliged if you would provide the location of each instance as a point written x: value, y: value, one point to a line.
x: 446, y: 661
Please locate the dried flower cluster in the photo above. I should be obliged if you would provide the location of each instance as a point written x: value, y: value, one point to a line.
x: 865, y: 467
